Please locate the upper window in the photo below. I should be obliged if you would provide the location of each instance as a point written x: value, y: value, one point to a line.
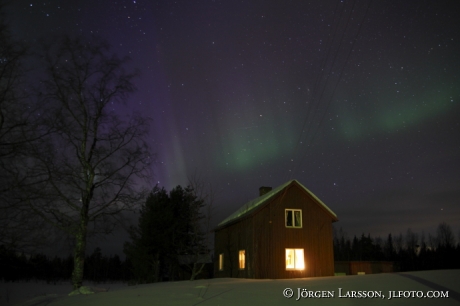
x: 293, y: 218
x: 242, y: 259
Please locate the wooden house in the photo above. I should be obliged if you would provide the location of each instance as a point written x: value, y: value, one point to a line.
x: 284, y: 233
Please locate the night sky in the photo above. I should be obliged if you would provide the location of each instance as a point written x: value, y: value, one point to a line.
x: 357, y: 100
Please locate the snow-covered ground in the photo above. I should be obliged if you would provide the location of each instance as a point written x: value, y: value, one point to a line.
x: 18, y: 293
x: 337, y: 290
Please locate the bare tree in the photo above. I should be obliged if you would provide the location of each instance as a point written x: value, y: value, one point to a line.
x: 399, y: 243
x: 458, y: 244
x: 431, y: 242
x: 90, y: 167
x: 444, y: 236
x: 411, y: 242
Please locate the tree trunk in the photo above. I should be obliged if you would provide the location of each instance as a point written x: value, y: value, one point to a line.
x: 156, y: 268
x: 80, y: 251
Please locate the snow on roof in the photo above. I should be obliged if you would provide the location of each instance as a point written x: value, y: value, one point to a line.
x: 249, y: 206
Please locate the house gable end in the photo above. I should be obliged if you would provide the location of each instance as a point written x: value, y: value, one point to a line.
x: 317, y: 201
x: 254, y: 205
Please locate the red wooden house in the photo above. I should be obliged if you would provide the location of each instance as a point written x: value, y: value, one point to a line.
x: 284, y: 233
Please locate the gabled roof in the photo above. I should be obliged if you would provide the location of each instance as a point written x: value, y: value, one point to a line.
x: 250, y: 206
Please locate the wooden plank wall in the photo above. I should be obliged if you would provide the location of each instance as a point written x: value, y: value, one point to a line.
x: 230, y: 241
x: 315, y: 237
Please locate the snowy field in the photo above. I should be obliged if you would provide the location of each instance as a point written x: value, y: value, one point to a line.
x: 337, y: 290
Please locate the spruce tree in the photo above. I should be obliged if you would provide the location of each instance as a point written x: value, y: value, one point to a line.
x: 168, y: 236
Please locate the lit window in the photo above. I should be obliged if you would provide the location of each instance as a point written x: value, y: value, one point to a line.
x: 221, y: 262
x: 294, y: 259
x: 293, y: 218
x: 242, y: 259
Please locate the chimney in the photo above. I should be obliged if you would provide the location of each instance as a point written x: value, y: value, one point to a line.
x: 263, y: 190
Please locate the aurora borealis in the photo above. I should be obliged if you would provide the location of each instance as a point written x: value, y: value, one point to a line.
x: 358, y: 100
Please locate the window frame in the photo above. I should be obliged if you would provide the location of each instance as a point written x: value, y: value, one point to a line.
x: 292, y: 210
x: 242, y: 259
x: 221, y: 262
x: 297, y: 261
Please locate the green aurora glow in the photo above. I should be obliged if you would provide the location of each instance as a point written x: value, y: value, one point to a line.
x: 388, y: 119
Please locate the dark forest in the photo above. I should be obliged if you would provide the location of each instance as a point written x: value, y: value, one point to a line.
x: 409, y: 252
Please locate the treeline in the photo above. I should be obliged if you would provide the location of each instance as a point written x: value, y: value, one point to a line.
x: 170, y: 242
x: 409, y: 252
x: 98, y: 268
